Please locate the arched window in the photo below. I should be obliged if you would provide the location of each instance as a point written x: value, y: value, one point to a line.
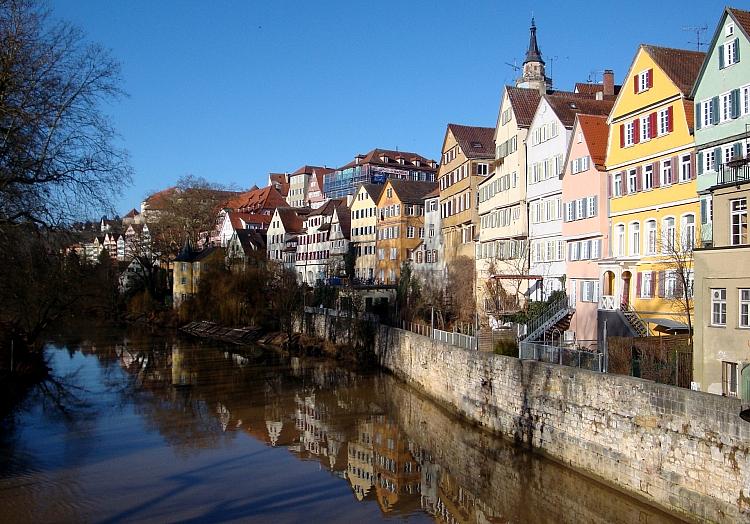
x: 620, y: 240
x: 635, y: 238
x: 688, y: 231
x: 651, y: 237
x: 668, y: 235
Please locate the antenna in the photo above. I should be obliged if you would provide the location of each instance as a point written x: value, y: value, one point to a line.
x: 513, y: 65
x: 593, y: 75
x: 553, y: 59
x: 697, y: 30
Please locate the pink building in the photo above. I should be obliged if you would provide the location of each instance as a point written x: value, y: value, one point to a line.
x: 585, y: 227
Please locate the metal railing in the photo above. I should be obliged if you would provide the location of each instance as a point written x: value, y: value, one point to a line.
x: 455, y: 339
x: 591, y: 360
x: 734, y: 172
x: 635, y: 321
x: 416, y: 327
x: 551, y: 314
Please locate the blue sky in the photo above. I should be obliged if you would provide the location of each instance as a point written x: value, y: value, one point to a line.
x: 232, y: 90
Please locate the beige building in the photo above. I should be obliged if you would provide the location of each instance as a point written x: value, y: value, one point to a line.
x: 189, y: 266
x: 468, y: 153
x: 721, y: 346
x: 363, y: 223
x: 300, y: 183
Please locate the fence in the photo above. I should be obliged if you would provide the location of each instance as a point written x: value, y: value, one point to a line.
x: 419, y: 329
x: 455, y: 339
x: 593, y: 361
x: 666, y: 359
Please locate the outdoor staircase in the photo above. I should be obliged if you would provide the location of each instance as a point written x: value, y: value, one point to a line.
x: 555, y: 316
x: 636, y: 323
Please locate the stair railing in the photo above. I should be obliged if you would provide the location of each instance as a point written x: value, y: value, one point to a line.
x: 635, y: 321
x: 539, y: 322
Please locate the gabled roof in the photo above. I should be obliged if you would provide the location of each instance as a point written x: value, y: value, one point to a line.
x: 132, y: 213
x: 251, y: 240
x: 237, y: 219
x: 742, y: 19
x: 281, y: 181
x: 566, y: 106
x: 595, y: 132
x: 475, y: 142
x: 523, y: 101
x: 435, y: 193
x: 327, y: 208
x: 266, y: 198
x: 375, y: 157
x: 589, y: 88
x: 412, y: 191
x: 680, y: 65
x: 311, y: 169
x: 374, y: 190
x: 189, y: 254
x: 291, y: 221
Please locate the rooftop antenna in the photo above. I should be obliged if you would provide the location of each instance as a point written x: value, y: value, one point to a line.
x: 697, y: 30
x: 593, y: 76
x: 552, y: 59
x: 514, y: 65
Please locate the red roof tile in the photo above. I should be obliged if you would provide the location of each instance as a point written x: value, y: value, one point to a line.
x: 281, y: 181
x: 742, y: 18
x: 290, y: 219
x: 475, y: 142
x: 596, y: 132
x: 681, y: 65
x: 312, y: 169
x: 267, y: 198
x: 567, y: 105
x: 524, y: 102
x: 412, y: 191
x: 410, y: 160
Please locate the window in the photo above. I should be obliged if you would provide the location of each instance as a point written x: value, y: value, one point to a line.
x: 666, y: 172
x: 647, y: 280
x: 738, y: 221
x: 709, y: 160
x: 729, y: 55
x: 725, y: 107
x: 644, y: 80
x: 670, y: 284
x: 410, y: 232
x: 482, y: 169
x: 394, y: 253
x: 620, y: 239
x: 718, y: 307
x: 685, y: 173
x: 729, y: 30
x: 648, y: 177
x: 632, y: 181
x: 729, y: 379
x: 744, y: 308
x: 389, y: 193
x: 665, y: 123
x: 592, y: 206
x: 707, y: 114
x: 668, y: 232
x: 617, y: 185
x: 745, y: 104
x: 645, y: 128
x: 651, y: 237
x: 629, y: 134
x: 635, y: 238
x: 688, y: 232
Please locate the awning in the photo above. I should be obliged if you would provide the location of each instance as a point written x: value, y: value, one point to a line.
x: 667, y: 324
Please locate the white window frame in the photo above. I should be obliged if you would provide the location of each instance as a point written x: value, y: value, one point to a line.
x: 646, y: 132
x: 669, y: 233
x: 685, y: 167
x: 629, y: 133
x: 632, y: 181
x: 652, y: 241
x: 617, y: 183
x: 725, y: 107
x: 738, y: 219
x: 687, y: 231
x: 635, y: 238
x: 663, y: 121
x: 648, y: 177
x: 620, y: 239
x: 666, y: 167
x: 743, y: 297
x: 719, y: 307
x: 643, y: 81
x: 647, y: 278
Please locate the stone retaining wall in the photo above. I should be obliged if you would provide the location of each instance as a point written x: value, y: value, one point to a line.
x: 684, y: 450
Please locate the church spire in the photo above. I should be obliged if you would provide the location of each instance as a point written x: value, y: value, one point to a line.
x: 533, y: 54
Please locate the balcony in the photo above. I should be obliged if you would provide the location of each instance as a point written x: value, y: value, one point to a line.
x: 734, y: 172
x: 607, y: 303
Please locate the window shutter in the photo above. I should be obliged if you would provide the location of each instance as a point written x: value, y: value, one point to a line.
x: 715, y: 110
x: 693, y: 172
x: 624, y: 183
x: 635, y: 84
x: 622, y: 135
x: 718, y: 160
x: 650, y: 78
x: 638, y: 283
x: 679, y: 287
x: 735, y: 103
x: 638, y: 179
x: 670, y: 119
x: 474, y: 169
x: 721, y: 57
x: 660, y: 278
x: 636, y: 130
x: 736, y: 50
x: 675, y: 169
x: 656, y: 174
x: 697, y: 115
x: 700, y: 163
x: 704, y: 211
x: 584, y: 208
x: 596, y: 205
x: 737, y: 148
x: 653, y: 120
x: 610, y: 189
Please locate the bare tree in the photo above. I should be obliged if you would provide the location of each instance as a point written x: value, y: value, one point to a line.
x: 58, y: 157
x: 678, y: 260
x: 505, y: 289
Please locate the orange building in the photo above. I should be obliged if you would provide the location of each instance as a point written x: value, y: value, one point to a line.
x: 400, y: 227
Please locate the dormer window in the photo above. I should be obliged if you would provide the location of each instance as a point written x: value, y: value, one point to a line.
x: 417, y: 162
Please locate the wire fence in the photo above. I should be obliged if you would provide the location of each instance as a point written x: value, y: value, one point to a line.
x: 591, y: 360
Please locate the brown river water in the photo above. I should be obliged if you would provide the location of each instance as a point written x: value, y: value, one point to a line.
x: 144, y: 428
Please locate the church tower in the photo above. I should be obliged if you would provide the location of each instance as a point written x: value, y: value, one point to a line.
x: 533, y: 67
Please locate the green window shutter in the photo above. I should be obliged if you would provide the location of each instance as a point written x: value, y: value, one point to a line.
x: 715, y: 110
x: 717, y: 158
x: 737, y: 150
x: 737, y: 50
x: 700, y: 163
x: 697, y: 117
x: 735, y: 103
x: 721, y: 57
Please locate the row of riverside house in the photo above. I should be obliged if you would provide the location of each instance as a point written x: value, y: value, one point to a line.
x: 617, y: 195
x: 620, y: 196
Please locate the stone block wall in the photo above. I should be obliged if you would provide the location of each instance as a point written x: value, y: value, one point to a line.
x: 684, y: 450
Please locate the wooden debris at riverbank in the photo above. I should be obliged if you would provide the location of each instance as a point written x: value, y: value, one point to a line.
x: 238, y: 336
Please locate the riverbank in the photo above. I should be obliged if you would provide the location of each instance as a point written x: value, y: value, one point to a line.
x: 685, y: 451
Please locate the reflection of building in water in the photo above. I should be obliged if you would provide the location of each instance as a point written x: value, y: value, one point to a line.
x: 181, y: 375
x: 397, y: 474
x: 274, y: 428
x: 359, y: 470
x: 224, y: 415
x: 310, y: 422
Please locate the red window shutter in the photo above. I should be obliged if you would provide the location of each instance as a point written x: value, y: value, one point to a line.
x: 650, y: 78
x: 693, y: 167
x: 676, y: 169
x: 638, y: 179
x: 656, y: 174
x: 610, y: 186
x: 670, y: 119
x: 638, y: 282
x: 622, y: 135
x: 636, y: 130
x: 635, y: 84
x: 624, y: 183
x: 652, y: 120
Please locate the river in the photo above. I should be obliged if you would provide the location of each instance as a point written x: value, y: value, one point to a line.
x: 147, y: 428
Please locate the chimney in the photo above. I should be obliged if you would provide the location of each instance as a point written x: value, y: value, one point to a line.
x: 609, y: 82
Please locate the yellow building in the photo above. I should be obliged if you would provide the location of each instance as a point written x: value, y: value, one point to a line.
x: 468, y: 153
x: 400, y: 227
x: 363, y: 223
x: 653, y: 204
x: 189, y: 266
